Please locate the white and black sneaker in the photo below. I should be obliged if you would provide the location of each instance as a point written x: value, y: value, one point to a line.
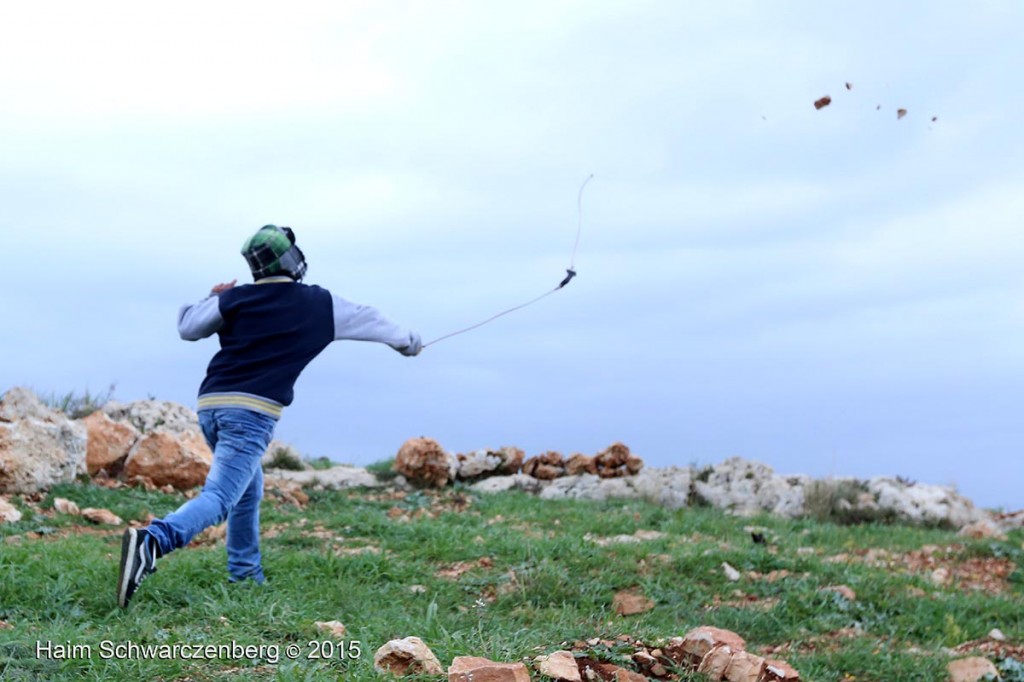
x: 138, y: 559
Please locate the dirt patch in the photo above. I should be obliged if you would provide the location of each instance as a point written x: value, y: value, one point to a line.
x: 943, y: 566
x: 460, y: 568
x: 824, y: 643
x: 425, y: 504
x: 741, y: 600
x: 992, y: 648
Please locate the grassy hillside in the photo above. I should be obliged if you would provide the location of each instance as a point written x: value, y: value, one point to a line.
x: 505, y: 576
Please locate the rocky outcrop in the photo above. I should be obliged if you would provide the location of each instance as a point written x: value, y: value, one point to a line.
x: 922, y: 503
x: 39, y: 446
x: 745, y: 488
x: 667, y: 487
x: 338, y: 477
x: 148, y: 415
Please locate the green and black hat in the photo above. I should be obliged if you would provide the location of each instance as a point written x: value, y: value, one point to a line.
x: 272, y: 251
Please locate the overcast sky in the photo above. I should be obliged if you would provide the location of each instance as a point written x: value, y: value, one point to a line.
x: 832, y: 292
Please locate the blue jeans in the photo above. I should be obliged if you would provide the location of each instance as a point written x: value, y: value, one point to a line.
x: 233, y: 489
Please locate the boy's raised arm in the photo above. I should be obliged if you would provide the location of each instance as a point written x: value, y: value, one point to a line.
x: 200, y: 320
x: 364, y: 323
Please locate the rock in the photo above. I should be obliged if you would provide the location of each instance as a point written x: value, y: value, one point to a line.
x: 731, y: 573
x: 475, y: 465
x: 335, y: 478
x: 613, y: 456
x: 108, y: 443
x: 560, y: 665
x: 283, y: 456
x: 668, y: 487
x: 715, y: 662
x: 39, y: 446
x: 637, y: 536
x: 424, y: 462
x: 1010, y: 520
x: 779, y: 671
x: 971, y: 669
x: 499, y: 484
x: 649, y: 664
x: 8, y: 512
x: 66, y: 506
x: 744, y: 667
x: 546, y: 466
x: 624, y: 675
x: 616, y: 460
x: 406, y: 656
x: 148, y: 415
x: 690, y: 649
x: 512, y: 460
x: 144, y: 482
x: 628, y: 603
x: 746, y: 488
x: 921, y: 503
x: 476, y: 669
x: 997, y: 635
x: 983, y: 529
x: 578, y: 487
x: 181, y: 460
x: 580, y: 464
x: 939, y: 577
x: 219, y: 532
x: 843, y: 590
x: 334, y: 628
x: 101, y: 516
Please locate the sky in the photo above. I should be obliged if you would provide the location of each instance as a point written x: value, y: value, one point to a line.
x: 835, y: 292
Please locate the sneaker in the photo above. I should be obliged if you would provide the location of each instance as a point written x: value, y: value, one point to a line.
x: 138, y: 559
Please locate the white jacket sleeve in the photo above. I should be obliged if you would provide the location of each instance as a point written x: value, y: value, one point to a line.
x: 363, y: 323
x: 200, y: 320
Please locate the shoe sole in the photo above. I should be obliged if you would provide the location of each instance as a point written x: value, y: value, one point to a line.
x: 128, y: 545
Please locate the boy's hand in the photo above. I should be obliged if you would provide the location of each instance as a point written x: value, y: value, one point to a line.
x: 218, y: 288
x: 414, y: 347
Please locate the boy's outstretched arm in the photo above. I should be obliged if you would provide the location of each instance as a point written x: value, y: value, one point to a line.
x: 364, y: 323
x: 202, y: 319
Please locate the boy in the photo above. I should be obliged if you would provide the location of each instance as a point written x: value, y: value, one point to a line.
x: 269, y: 331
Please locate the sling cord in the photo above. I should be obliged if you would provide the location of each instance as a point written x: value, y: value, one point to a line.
x: 570, y: 273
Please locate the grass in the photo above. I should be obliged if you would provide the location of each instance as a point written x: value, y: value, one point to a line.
x: 77, y: 405
x: 543, y: 582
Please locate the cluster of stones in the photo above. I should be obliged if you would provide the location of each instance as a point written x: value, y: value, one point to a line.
x: 614, y: 461
x: 158, y: 445
x: 148, y: 442
x: 717, y: 654
x: 422, y: 461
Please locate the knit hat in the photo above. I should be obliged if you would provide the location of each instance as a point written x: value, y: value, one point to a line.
x: 272, y: 251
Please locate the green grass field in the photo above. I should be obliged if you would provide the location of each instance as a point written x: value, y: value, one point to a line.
x: 505, y: 576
